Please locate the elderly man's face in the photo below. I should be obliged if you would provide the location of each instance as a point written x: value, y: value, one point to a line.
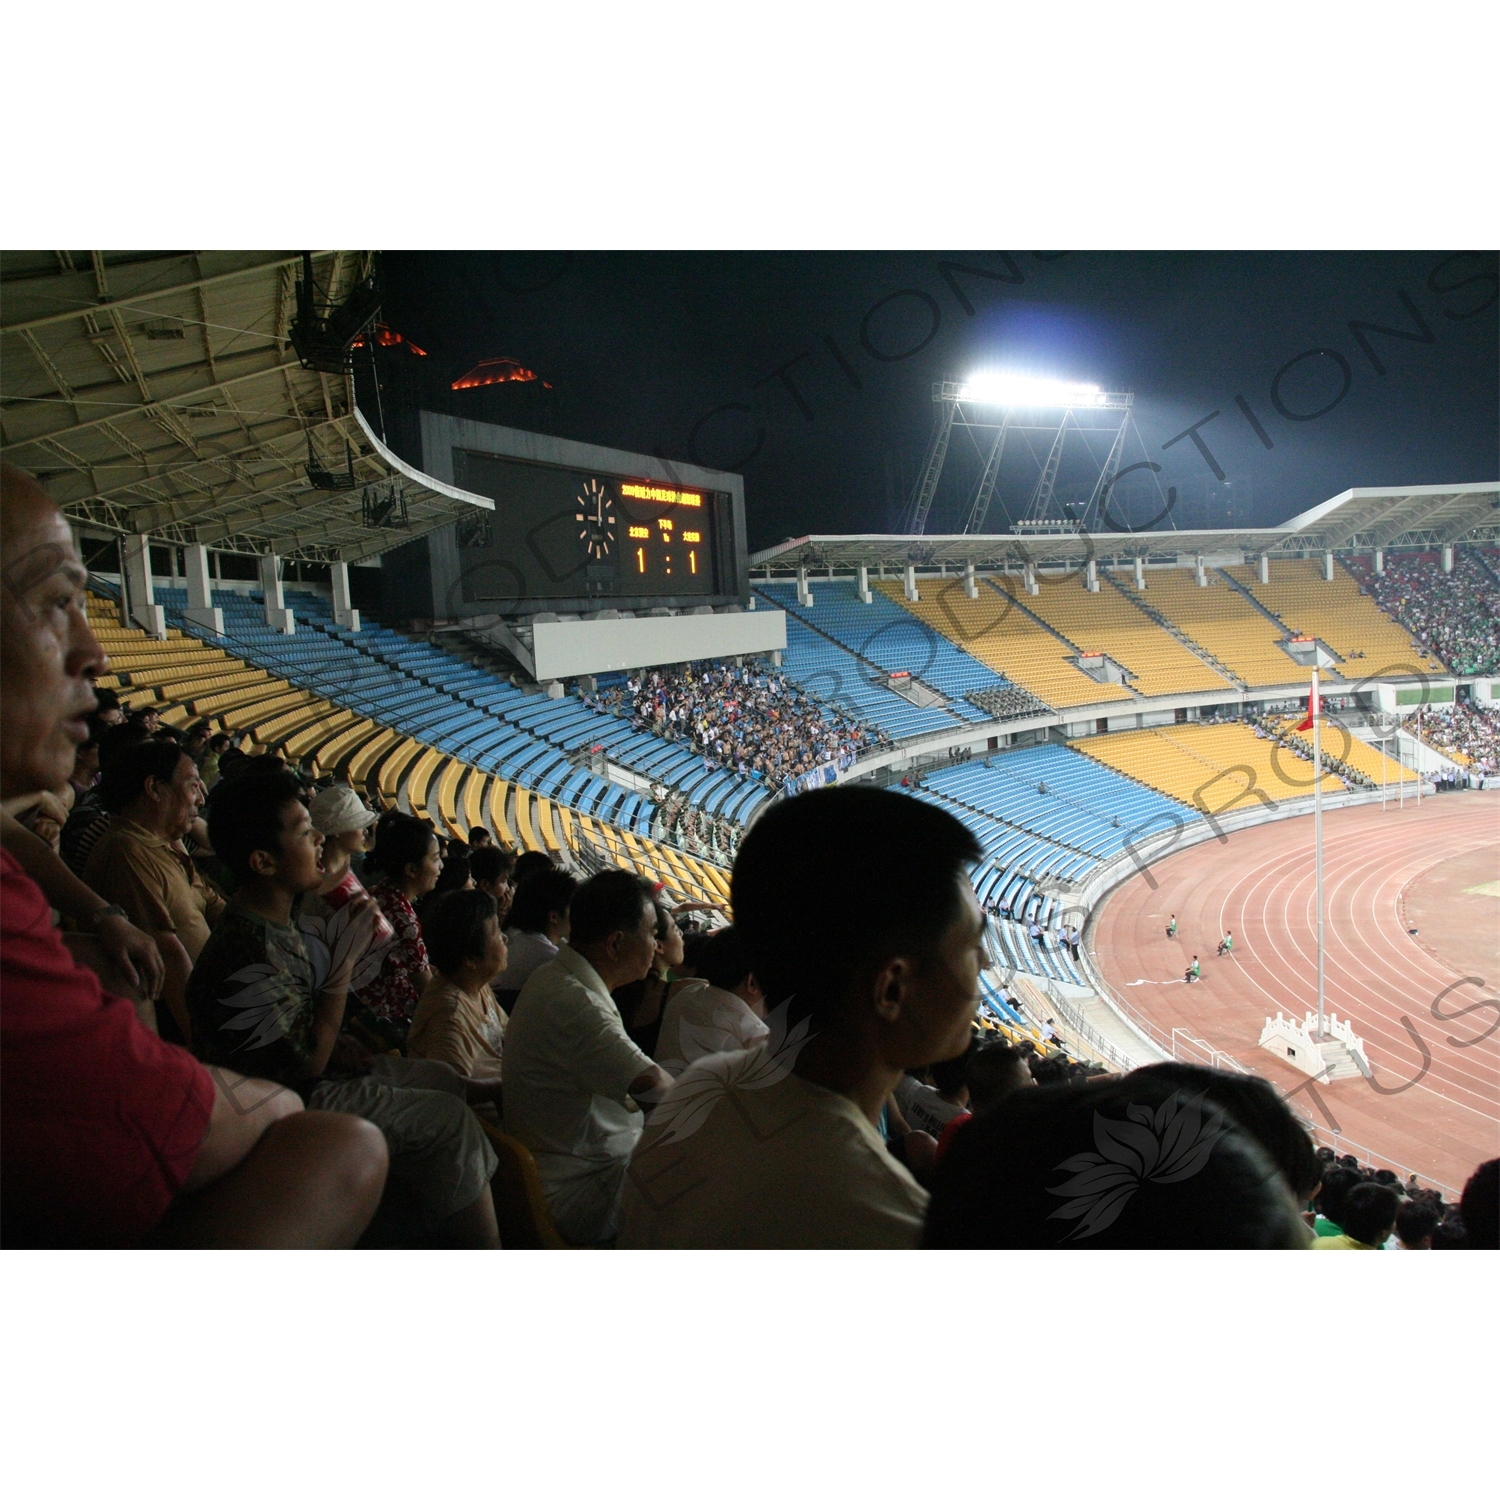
x: 48, y: 654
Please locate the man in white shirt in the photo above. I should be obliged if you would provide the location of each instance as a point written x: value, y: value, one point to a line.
x: 721, y: 1010
x: 865, y: 936
x: 571, y: 1076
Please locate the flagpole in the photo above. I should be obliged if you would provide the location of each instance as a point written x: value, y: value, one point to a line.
x: 1317, y: 718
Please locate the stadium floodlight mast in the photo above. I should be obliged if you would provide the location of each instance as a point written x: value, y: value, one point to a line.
x: 1004, y: 402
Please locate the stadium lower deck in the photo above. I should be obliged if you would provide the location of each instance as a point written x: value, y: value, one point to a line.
x: 426, y: 730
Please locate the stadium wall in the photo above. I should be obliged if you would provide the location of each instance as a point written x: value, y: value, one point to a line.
x: 575, y: 648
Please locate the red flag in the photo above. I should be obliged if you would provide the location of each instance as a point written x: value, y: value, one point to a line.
x: 1312, y: 708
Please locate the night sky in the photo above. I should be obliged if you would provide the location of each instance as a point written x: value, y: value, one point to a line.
x: 678, y: 354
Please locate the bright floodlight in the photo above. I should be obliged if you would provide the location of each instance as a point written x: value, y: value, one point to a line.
x: 1024, y: 390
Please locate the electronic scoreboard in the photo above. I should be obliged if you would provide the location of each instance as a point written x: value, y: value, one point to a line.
x: 561, y: 532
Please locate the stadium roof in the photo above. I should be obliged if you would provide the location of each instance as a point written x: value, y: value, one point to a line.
x: 1401, y: 516
x: 160, y: 393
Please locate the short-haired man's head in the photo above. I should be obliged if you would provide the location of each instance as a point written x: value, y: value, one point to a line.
x: 1257, y: 1106
x: 1338, y: 1183
x: 531, y: 863
x: 834, y: 883
x: 454, y: 928
x: 142, y: 762
x: 489, y: 863
x: 1415, y: 1223
x: 611, y: 901
x: 544, y: 894
x: 248, y: 814
x: 722, y: 960
x: 1480, y: 1206
x: 995, y: 1070
x: 48, y: 652
x: 1001, y: 1184
x: 1370, y: 1213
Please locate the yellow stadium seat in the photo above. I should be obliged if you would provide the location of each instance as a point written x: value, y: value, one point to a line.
x: 332, y: 752
x: 272, y: 731
x: 546, y: 817
x: 1111, y: 623
x: 1339, y: 613
x: 419, y: 780
x: 1214, y: 768
x: 393, y: 768
x: 475, y: 789
x: 500, y: 818
x: 996, y: 629
x: 1221, y: 620
x: 447, y: 797
x: 260, y: 710
x: 364, y: 759
x: 524, y: 824
x: 302, y: 744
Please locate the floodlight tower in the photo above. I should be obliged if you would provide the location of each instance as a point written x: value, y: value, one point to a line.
x: 1004, y: 404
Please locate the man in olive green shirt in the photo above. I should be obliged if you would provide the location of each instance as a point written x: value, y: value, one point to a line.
x: 153, y: 793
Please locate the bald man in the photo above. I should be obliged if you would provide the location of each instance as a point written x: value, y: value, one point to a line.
x: 110, y: 1136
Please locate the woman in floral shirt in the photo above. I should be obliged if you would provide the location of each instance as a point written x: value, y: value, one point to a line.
x: 406, y: 863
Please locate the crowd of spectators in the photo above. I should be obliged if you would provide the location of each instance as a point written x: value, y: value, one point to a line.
x: 1370, y: 1208
x: 1299, y: 746
x: 1454, y: 616
x: 704, y: 834
x: 752, y: 719
x: 1465, y: 728
x: 276, y: 1019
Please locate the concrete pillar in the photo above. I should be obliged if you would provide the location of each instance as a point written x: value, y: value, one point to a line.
x: 804, y: 594
x: 145, y: 612
x: 865, y: 597
x: 776, y: 658
x: 911, y: 583
x: 344, y: 613
x: 1091, y: 576
x: 200, y: 600
x: 1140, y: 574
x: 1328, y: 567
x: 1198, y: 572
x: 1379, y: 562
x: 554, y: 689
x: 1029, y: 574
x: 1447, y: 557
x: 1263, y: 568
x: 591, y: 684
x: 278, y: 616
x: 971, y: 583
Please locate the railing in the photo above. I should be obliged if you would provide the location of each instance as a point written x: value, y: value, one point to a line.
x: 1324, y: 1136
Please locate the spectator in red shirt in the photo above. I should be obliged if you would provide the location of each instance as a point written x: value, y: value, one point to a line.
x: 110, y: 1135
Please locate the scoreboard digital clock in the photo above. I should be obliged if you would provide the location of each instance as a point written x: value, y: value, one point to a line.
x: 562, y: 533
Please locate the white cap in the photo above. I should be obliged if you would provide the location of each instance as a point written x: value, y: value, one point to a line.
x: 339, y: 810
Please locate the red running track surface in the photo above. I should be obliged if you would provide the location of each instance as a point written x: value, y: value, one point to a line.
x: 1259, y: 884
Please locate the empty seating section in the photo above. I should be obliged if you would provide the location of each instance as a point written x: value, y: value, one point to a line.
x: 1001, y: 634
x: 1339, y: 614
x: 316, y: 697
x: 1111, y: 623
x: 829, y: 672
x: 1215, y: 768
x: 1221, y: 620
x: 890, y: 638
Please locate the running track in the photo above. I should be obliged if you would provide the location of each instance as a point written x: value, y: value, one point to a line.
x: 1259, y: 884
